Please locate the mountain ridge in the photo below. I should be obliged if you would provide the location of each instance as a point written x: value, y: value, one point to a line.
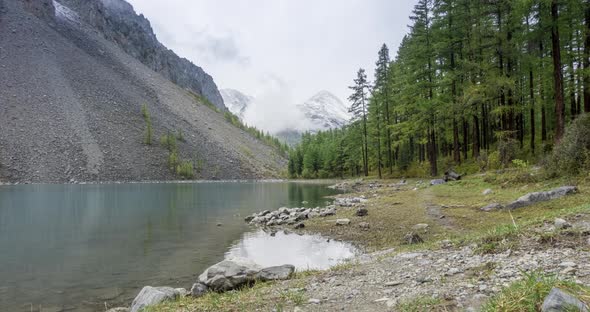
x: 118, y: 22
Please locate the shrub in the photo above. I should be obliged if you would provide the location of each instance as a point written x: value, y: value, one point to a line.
x: 507, y: 149
x: 173, y: 160
x: 185, y: 170
x: 148, y: 121
x: 169, y: 141
x: 572, y: 155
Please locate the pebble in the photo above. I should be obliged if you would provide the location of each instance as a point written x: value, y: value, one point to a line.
x: 314, y: 301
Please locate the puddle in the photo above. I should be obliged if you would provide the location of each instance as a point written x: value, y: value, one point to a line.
x: 305, y: 252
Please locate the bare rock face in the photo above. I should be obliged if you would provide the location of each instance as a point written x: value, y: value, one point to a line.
x: 43, y: 9
x: 117, y: 21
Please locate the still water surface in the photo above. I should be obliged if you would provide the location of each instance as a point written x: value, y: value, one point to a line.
x: 75, y: 247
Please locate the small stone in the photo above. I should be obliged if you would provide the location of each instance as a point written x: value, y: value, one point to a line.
x: 413, y: 238
x: 314, y: 301
x: 561, y: 224
x: 492, y: 207
x: 198, y: 290
x: 453, y: 271
x: 394, y: 283
x: 361, y: 212
x: 568, y: 264
x: 446, y: 244
x: 219, y: 224
x: 299, y: 226
x: 384, y: 299
x: 487, y: 192
x: 343, y: 222
x: 364, y: 225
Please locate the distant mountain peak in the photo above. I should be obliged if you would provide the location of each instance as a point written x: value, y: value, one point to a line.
x: 236, y: 101
x: 325, y: 111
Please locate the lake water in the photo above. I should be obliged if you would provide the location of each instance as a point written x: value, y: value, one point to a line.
x: 75, y: 247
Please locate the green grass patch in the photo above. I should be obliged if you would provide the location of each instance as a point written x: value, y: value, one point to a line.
x: 529, y: 293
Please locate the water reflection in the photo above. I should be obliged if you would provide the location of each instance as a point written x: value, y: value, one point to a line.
x: 76, y: 247
x: 305, y: 252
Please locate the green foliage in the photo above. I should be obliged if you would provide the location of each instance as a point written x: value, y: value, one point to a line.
x: 147, y: 139
x: 185, y: 170
x: 169, y: 141
x: 572, y: 155
x: 472, y: 82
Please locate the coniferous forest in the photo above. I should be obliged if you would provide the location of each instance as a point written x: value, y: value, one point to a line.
x: 474, y: 84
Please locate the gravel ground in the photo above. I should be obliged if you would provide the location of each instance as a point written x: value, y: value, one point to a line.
x: 461, y: 277
x: 70, y: 111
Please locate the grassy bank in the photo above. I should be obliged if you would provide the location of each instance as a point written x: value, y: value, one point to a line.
x: 452, y: 212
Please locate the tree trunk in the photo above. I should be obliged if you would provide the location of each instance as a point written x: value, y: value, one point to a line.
x: 476, y: 147
x: 465, y: 138
x: 557, y: 73
x: 432, y: 153
x: 586, y: 58
x: 456, y: 151
x: 532, y: 99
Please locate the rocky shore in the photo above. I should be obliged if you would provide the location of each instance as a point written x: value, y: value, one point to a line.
x: 459, y: 275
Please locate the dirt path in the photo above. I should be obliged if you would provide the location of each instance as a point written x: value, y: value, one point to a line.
x: 434, y: 211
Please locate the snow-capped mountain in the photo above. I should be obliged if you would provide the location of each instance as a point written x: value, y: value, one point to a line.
x: 236, y: 101
x: 325, y: 111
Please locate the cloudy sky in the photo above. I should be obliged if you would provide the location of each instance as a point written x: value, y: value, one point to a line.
x: 286, y: 50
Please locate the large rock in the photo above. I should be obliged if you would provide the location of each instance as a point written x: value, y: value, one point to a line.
x: 150, y: 296
x: 532, y: 198
x: 282, y: 272
x: 229, y: 274
x: 560, y: 301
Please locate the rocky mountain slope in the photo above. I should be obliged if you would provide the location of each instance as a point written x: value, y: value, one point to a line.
x: 117, y: 21
x: 70, y: 104
x: 236, y: 101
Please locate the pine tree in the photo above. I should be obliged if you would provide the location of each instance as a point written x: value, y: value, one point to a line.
x: 359, y: 111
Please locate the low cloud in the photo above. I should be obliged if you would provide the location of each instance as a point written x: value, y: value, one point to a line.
x: 274, y: 108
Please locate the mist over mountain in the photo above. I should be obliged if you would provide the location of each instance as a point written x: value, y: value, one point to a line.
x: 236, y: 101
x: 322, y: 111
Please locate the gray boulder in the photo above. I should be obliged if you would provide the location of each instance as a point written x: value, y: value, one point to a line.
x: 150, y: 296
x: 560, y: 301
x: 229, y: 274
x: 282, y: 272
x: 199, y: 289
x: 437, y: 182
x: 532, y: 198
